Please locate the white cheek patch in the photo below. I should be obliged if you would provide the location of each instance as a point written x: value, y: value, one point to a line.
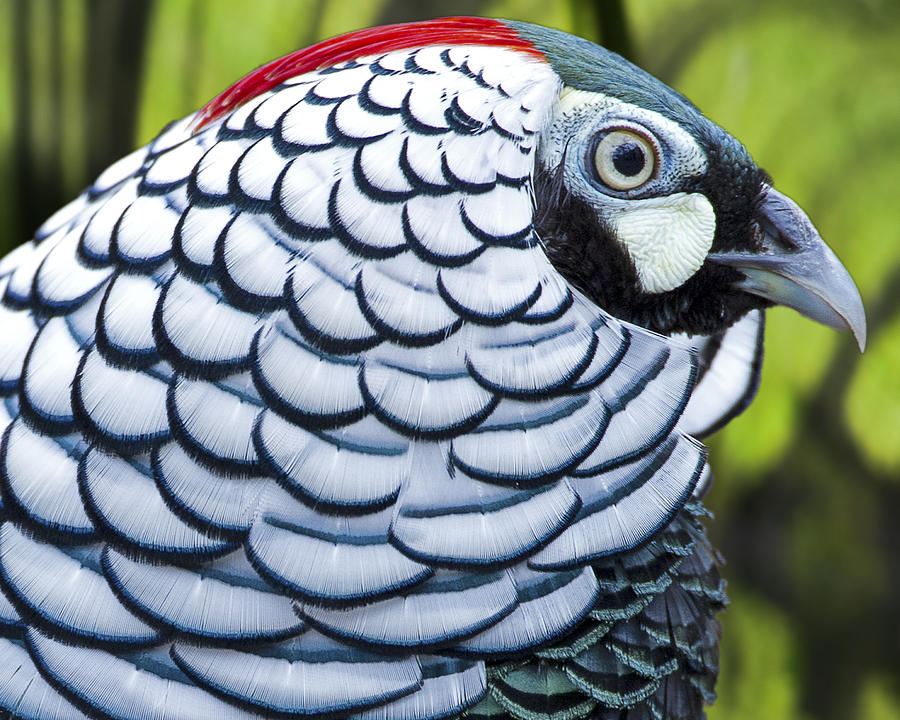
x: 667, y: 238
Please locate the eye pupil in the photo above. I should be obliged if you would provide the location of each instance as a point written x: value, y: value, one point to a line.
x: 624, y: 159
x: 629, y: 159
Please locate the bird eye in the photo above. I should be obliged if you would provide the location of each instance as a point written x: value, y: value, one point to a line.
x: 624, y: 160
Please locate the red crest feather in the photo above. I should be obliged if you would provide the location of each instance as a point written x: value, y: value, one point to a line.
x: 371, y: 41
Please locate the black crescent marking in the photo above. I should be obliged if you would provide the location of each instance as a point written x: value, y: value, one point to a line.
x: 311, y: 98
x: 341, y: 139
x: 288, y: 224
x: 524, y: 238
x: 289, y: 149
x: 235, y: 294
x: 477, y: 77
x: 187, y: 366
x: 463, y: 185
x: 368, y: 104
x: 126, y: 358
x: 422, y: 186
x: 513, y: 314
x: 239, y: 198
x: 659, y: 436
x: 350, y: 242
x: 320, y: 340
x: 270, y: 467
x: 752, y: 384
x: 195, y: 271
x: 16, y: 511
x: 461, y: 122
x: 99, y: 436
x: 423, y: 253
x: 309, y: 421
x: 114, y: 537
x: 184, y: 513
x: 417, y: 433
x: 552, y: 315
x: 198, y: 453
x: 410, y: 65
x: 373, y: 192
x: 413, y: 124
x: 48, y: 425
x: 558, y: 388
x: 389, y: 333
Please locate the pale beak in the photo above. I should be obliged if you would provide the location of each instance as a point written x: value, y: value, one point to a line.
x: 798, y: 269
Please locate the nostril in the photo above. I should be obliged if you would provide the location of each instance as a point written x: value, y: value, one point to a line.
x: 783, y: 222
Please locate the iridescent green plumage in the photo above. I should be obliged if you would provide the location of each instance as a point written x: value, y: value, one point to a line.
x: 653, y: 630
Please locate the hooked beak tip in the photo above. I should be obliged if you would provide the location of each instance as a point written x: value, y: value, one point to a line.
x: 798, y: 269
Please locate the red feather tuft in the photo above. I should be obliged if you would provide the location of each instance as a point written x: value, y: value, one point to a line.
x: 454, y: 30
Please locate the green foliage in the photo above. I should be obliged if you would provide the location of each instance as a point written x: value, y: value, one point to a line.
x: 758, y: 676
x: 811, y: 100
x: 873, y: 409
x: 806, y: 498
x: 878, y: 700
x: 197, y: 49
x: 8, y: 239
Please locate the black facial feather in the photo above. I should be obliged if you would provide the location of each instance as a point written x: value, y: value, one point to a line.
x: 586, y: 253
x: 584, y: 250
x: 734, y: 185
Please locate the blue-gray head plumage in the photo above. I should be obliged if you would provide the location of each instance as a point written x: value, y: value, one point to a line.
x: 694, y: 282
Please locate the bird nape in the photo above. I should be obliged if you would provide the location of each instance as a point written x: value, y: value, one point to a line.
x: 372, y: 389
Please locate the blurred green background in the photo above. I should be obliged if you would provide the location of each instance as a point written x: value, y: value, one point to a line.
x: 807, y: 499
